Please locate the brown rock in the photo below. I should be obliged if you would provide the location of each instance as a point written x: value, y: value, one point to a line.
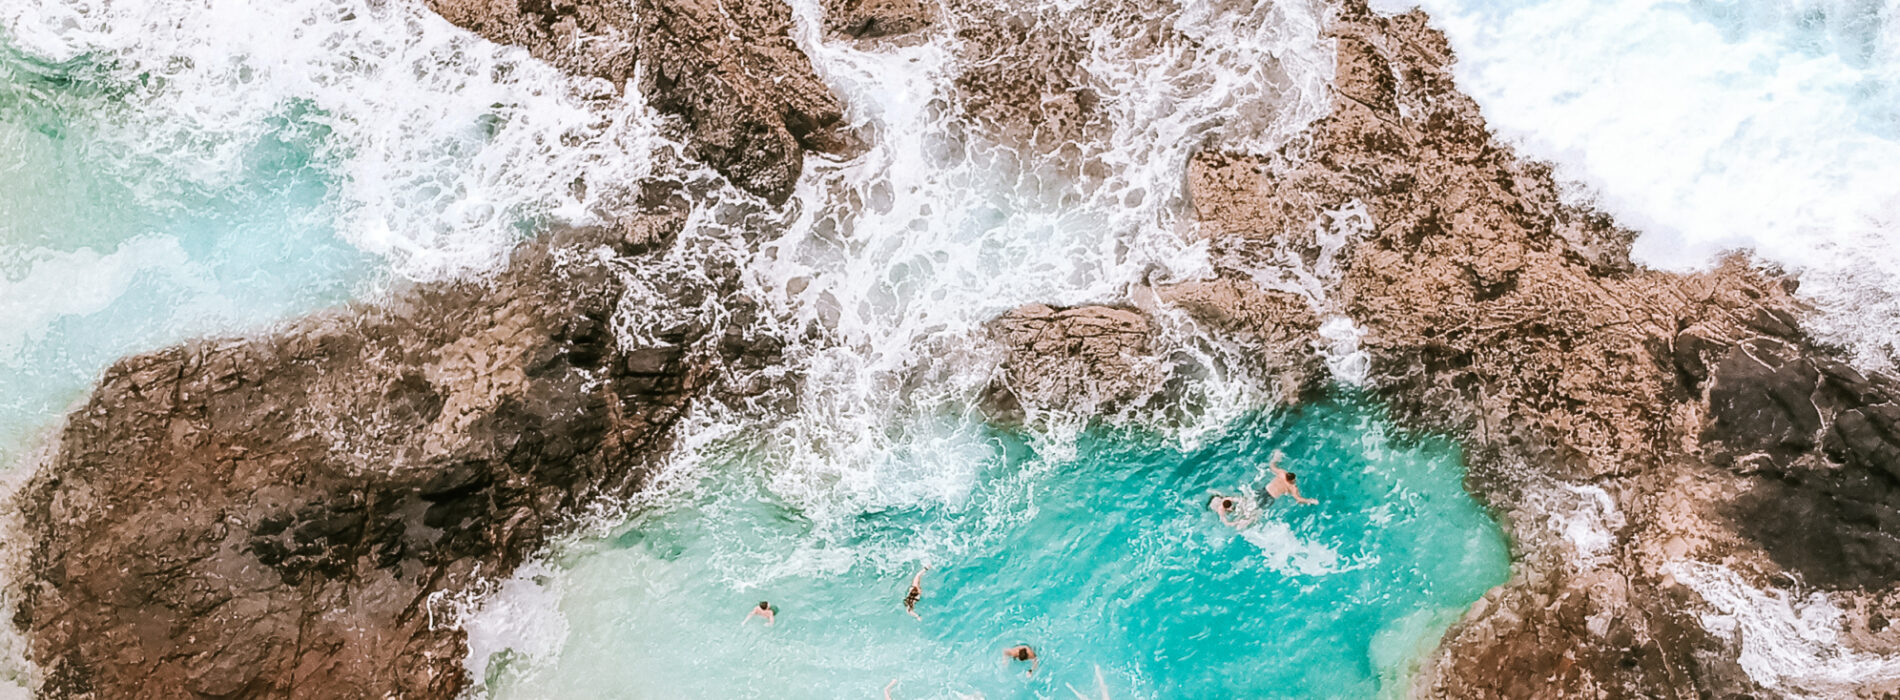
x: 874, y: 19
x: 750, y: 101
x: 1082, y: 360
x: 268, y: 517
x: 1498, y: 314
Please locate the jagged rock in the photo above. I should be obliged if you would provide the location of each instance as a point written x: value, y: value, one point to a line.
x: 1081, y: 360
x: 750, y: 100
x: 269, y: 516
x: 1497, y: 313
x: 1274, y: 330
x: 873, y: 19
x: 1868, y: 437
x: 1025, y: 81
x: 1760, y: 403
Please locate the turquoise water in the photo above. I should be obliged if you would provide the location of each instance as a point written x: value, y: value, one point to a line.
x: 118, y: 235
x: 1109, y: 560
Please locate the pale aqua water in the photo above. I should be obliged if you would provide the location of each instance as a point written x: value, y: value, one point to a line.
x: 117, y: 237
x: 1108, y: 561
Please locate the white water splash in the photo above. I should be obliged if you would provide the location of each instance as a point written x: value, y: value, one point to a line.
x: 1789, y: 643
x: 1712, y: 125
x: 1285, y: 552
x: 444, y: 144
x: 895, y: 261
x: 1582, y: 516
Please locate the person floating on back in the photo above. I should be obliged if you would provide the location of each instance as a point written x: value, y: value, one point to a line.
x: 764, y: 610
x: 1227, y: 506
x: 1022, y: 652
x: 916, y: 593
x: 1282, y: 484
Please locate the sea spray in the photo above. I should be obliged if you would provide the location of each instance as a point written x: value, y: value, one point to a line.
x: 1710, y: 126
x: 443, y: 147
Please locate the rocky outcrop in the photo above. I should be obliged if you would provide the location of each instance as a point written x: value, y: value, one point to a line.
x: 877, y: 19
x: 1024, y: 81
x: 279, y: 516
x: 1084, y: 360
x: 1273, y: 332
x: 749, y: 100
x: 1714, y: 430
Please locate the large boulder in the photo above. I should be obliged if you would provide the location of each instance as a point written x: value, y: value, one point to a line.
x: 1079, y: 360
x: 281, y: 515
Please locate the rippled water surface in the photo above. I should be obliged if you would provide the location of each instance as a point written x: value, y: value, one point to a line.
x: 1109, y: 560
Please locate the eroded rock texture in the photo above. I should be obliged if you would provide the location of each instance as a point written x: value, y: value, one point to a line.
x: 876, y: 19
x: 750, y: 102
x: 1081, y: 359
x: 1713, y: 430
x: 269, y: 517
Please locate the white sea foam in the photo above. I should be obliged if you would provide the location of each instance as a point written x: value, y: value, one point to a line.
x: 516, y: 624
x: 57, y: 284
x: 1714, y: 125
x: 1582, y: 516
x: 1789, y: 643
x: 443, y: 144
x: 896, y: 259
x: 1286, y: 553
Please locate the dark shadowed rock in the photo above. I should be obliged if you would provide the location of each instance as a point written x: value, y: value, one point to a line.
x: 1868, y: 437
x: 1760, y: 403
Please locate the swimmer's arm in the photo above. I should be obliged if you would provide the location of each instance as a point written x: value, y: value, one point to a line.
x: 1035, y: 662
x: 1299, y: 498
x: 888, y: 687
x: 748, y: 616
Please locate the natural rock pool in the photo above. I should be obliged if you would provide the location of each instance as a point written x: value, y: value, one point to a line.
x: 1109, y: 560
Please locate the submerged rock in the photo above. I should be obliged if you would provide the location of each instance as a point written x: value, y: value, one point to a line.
x: 751, y: 103
x: 282, y: 516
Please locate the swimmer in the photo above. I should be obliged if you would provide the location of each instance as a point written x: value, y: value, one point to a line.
x: 888, y: 687
x: 915, y: 594
x: 1282, y: 484
x: 1225, y: 506
x: 764, y: 610
x: 1022, y: 652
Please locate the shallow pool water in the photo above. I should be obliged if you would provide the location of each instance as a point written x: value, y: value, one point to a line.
x: 1109, y: 562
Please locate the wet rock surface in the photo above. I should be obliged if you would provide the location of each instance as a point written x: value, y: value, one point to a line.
x: 280, y: 516
x: 1083, y: 359
x: 750, y: 103
x: 877, y: 19
x: 1687, y: 413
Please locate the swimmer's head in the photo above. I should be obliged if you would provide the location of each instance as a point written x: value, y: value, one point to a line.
x: 1289, y: 477
x: 763, y: 605
x: 1226, y: 503
x: 1022, y: 653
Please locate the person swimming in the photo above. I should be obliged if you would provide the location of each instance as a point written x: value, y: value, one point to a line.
x: 916, y: 593
x: 1226, y: 506
x: 764, y: 610
x: 1022, y: 652
x: 1282, y: 485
